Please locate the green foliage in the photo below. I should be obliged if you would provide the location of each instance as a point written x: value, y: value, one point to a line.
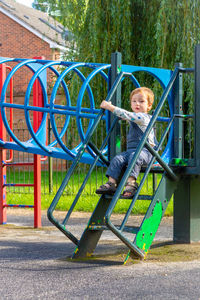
x: 40, y: 5
x: 154, y: 33
x: 176, y: 36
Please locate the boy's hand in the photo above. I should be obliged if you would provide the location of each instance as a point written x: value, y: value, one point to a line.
x: 104, y: 104
x: 107, y: 105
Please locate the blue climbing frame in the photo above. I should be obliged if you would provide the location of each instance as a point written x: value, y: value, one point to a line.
x: 38, y: 143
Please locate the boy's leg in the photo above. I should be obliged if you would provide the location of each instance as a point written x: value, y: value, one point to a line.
x: 143, y: 159
x: 113, y: 173
x: 131, y: 185
x: 117, y: 164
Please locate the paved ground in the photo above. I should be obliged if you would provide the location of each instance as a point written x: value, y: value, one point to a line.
x: 35, y: 264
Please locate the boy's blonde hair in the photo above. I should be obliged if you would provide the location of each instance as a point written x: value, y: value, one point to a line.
x: 148, y: 93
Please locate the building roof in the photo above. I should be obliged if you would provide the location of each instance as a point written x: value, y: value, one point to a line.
x: 38, y: 22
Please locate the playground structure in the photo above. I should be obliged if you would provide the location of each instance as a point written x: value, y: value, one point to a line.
x: 6, y: 163
x: 180, y: 176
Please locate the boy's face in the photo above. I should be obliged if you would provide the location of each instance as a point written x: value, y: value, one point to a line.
x: 139, y: 103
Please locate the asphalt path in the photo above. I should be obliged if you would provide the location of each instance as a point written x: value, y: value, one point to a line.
x: 35, y: 264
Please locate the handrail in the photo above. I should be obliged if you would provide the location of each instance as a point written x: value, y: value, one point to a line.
x: 76, y: 161
x: 161, y: 162
x: 143, y: 143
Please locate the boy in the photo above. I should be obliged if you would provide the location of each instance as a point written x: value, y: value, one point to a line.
x: 141, y: 100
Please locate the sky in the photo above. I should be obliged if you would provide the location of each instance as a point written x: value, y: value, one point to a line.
x: 25, y: 2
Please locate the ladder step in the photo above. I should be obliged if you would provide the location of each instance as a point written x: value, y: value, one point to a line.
x: 97, y: 227
x: 131, y: 229
x: 140, y: 197
x: 145, y: 197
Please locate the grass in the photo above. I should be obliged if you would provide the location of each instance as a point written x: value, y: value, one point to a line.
x: 87, y: 201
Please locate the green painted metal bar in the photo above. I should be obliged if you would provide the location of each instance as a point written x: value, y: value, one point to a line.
x: 97, y: 151
x: 114, y: 147
x: 168, y: 170
x: 186, y: 70
x: 178, y: 109
x: 183, y: 116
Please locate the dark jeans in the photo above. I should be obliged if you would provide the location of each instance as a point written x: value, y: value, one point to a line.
x: 122, y: 161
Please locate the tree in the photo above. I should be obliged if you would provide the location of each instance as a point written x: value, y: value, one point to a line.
x: 69, y: 13
x: 154, y: 33
x: 177, y: 33
x: 40, y: 5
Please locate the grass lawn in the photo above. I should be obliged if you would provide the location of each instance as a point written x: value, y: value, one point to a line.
x: 87, y: 201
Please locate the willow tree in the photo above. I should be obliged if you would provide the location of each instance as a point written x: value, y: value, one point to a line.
x: 177, y: 33
x: 101, y: 27
x: 70, y: 13
x: 156, y: 33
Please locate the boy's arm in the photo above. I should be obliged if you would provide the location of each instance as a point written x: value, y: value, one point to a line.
x: 138, y: 118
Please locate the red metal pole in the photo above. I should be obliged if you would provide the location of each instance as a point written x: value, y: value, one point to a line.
x: 37, y: 117
x: 37, y: 191
x: 3, y: 216
x: 37, y: 163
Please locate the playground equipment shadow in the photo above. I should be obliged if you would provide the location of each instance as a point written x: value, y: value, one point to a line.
x: 35, y: 264
x: 77, y: 223
x: 19, y: 234
x: 19, y: 231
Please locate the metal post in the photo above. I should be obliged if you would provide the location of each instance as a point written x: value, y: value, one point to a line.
x: 50, y: 159
x: 187, y: 210
x: 178, y: 109
x: 114, y: 145
x: 197, y: 109
x: 3, y: 216
x: 187, y: 195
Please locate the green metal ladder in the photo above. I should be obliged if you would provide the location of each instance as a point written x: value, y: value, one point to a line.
x: 143, y: 235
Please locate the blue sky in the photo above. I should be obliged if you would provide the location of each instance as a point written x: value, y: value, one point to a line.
x: 25, y: 2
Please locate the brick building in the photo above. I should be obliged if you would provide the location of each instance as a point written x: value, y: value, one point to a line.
x: 26, y: 33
